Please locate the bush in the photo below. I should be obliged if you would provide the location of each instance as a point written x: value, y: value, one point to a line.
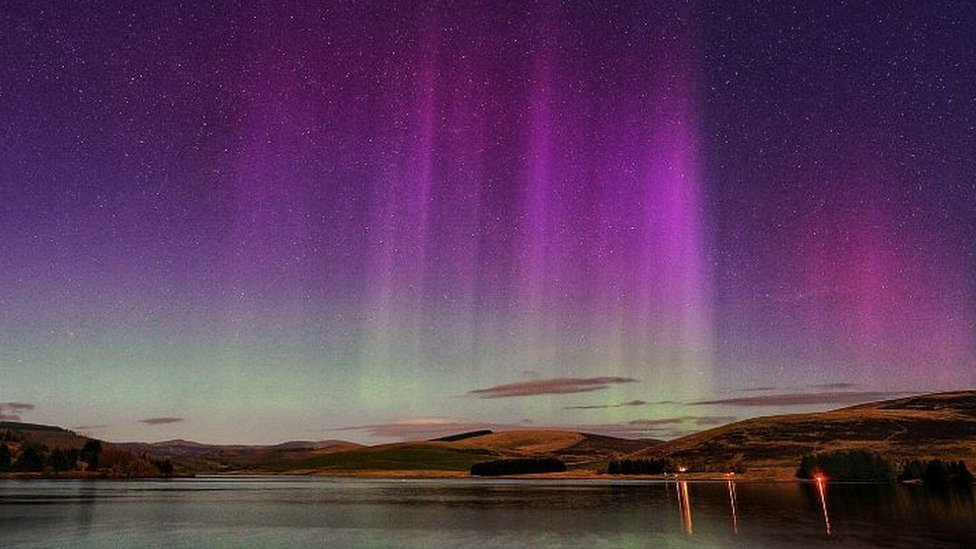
x: 518, y: 466
x: 849, y: 465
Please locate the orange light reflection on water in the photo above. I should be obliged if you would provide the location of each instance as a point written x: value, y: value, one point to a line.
x: 684, y: 504
x: 735, y: 513
x: 821, y: 482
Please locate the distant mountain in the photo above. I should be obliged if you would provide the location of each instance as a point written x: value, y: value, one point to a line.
x: 940, y: 425
x: 201, y: 457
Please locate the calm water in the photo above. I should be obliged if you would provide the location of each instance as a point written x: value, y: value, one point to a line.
x: 264, y: 512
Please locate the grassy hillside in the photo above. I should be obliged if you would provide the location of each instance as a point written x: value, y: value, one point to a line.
x: 941, y: 425
x: 198, y: 457
x: 394, y: 457
x: 459, y: 453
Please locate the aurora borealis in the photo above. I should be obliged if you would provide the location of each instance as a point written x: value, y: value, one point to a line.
x: 262, y: 222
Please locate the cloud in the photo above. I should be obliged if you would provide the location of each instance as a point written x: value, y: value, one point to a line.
x: 804, y: 399
x: 832, y: 385
x: 552, y: 386
x: 713, y: 420
x: 425, y: 428
x: 91, y: 427
x: 161, y: 420
x: 602, y: 406
x: 414, y: 428
x: 16, y: 406
x: 11, y: 411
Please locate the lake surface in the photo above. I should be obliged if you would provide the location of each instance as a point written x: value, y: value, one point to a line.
x: 316, y: 512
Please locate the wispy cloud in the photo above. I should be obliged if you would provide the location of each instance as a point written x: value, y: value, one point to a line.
x: 708, y: 421
x: 803, y: 399
x: 414, y: 428
x: 161, y: 420
x: 552, y: 386
x: 628, y: 404
x: 91, y: 427
x: 11, y: 411
x: 832, y: 386
x: 425, y: 428
x: 16, y: 406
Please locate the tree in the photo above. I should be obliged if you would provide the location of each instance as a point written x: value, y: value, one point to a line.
x: 62, y: 460
x: 165, y: 467
x: 912, y: 470
x: 858, y: 465
x: 519, y: 466
x: 90, y: 453
x: 31, y: 457
x: 5, y: 458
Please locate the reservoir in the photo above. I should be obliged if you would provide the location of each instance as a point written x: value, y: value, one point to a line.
x: 317, y: 512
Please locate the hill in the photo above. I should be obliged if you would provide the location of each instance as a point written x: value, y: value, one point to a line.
x: 32, y: 450
x: 199, y: 457
x: 940, y: 425
x: 47, y: 435
x: 459, y: 453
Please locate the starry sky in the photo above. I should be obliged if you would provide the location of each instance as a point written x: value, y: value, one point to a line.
x: 256, y: 221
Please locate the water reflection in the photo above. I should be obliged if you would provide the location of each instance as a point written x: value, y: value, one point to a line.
x: 735, y: 513
x: 484, y: 513
x: 821, y: 483
x: 684, y: 505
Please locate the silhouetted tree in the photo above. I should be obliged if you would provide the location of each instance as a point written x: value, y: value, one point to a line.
x: 645, y: 466
x: 959, y: 473
x: 90, y: 453
x: 31, y: 457
x: 165, y: 467
x: 63, y: 460
x: 847, y: 465
x: 518, y: 466
x: 5, y: 458
x: 912, y: 470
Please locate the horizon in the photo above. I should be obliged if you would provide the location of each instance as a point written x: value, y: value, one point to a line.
x: 433, y: 430
x: 254, y: 223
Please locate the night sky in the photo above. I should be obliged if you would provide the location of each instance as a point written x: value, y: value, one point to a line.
x: 248, y: 222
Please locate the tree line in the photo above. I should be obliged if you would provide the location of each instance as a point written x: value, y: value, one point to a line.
x: 520, y: 466
x: 34, y: 457
x: 663, y: 466
x: 862, y: 465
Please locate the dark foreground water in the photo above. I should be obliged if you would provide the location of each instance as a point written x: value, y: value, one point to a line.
x: 273, y: 512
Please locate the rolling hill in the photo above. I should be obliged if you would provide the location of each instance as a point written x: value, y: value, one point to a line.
x: 459, y: 453
x: 940, y: 425
x: 198, y: 457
